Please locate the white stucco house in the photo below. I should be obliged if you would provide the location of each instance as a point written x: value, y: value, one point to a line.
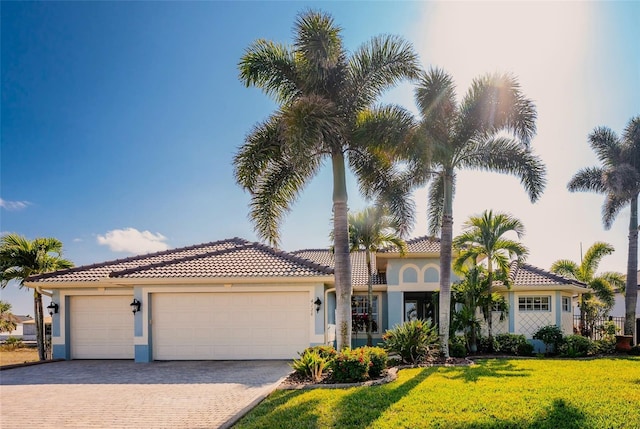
x: 245, y: 300
x: 618, y: 309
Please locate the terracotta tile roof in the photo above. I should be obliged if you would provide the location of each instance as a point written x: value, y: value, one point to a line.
x: 527, y: 275
x: 233, y: 257
x: 424, y: 244
x: 358, y: 264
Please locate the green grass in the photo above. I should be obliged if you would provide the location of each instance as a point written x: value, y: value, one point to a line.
x: 496, y: 393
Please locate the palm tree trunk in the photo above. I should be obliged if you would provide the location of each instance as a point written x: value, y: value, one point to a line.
x: 631, y: 294
x: 369, y: 301
x: 489, y: 302
x: 445, y: 262
x: 342, y: 269
x: 37, y: 309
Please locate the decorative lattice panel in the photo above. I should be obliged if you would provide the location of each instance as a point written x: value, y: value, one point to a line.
x: 530, y: 322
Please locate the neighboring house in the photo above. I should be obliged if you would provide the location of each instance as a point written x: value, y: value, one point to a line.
x: 246, y: 300
x: 23, y: 332
x: 618, y: 309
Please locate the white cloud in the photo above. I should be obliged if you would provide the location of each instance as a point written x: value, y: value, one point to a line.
x: 130, y: 240
x: 13, y: 205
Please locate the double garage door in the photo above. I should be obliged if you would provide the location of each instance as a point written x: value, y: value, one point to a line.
x: 194, y: 326
x: 197, y: 326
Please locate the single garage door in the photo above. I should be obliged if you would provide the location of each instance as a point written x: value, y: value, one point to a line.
x: 228, y: 326
x: 101, y: 327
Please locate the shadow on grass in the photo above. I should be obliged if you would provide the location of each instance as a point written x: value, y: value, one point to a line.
x: 558, y: 415
x: 495, y: 368
x: 364, y: 406
x: 276, y: 410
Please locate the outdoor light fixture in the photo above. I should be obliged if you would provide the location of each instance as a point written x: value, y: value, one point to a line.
x: 135, y: 305
x: 53, y: 308
x: 318, y: 303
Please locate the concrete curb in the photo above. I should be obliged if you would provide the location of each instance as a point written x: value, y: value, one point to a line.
x: 266, y: 391
x: 392, y: 374
x: 20, y: 365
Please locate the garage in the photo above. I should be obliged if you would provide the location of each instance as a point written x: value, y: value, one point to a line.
x: 101, y: 327
x: 229, y: 325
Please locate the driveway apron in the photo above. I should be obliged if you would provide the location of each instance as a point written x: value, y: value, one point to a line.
x: 124, y: 394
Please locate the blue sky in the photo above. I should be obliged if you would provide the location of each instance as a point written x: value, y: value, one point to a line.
x: 120, y: 119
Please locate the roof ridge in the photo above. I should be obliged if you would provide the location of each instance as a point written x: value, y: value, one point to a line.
x: 311, y: 250
x: 178, y: 260
x: 237, y: 240
x: 423, y: 237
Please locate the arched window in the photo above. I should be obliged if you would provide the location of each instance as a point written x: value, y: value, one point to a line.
x: 410, y: 275
x: 431, y: 275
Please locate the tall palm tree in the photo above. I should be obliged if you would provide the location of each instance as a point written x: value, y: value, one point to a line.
x: 602, y: 284
x: 618, y: 179
x: 370, y: 230
x: 21, y: 258
x: 483, y: 238
x: 489, y: 129
x: 326, y: 113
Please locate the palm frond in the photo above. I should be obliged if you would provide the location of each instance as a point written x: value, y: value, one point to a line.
x: 612, y: 205
x: 593, y: 257
x: 616, y: 280
x: 435, y: 207
x: 606, y: 145
x: 566, y: 268
x: 436, y: 99
x: 384, y: 127
x: 312, y: 123
x: 588, y: 179
x: 505, y: 155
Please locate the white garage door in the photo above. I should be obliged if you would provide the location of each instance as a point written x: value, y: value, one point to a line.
x: 101, y: 327
x: 227, y: 326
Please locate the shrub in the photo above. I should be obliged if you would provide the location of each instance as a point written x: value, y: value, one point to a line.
x: 378, y: 358
x: 310, y: 364
x: 605, y: 346
x: 550, y: 335
x: 326, y: 352
x: 515, y: 344
x: 458, y: 346
x: 351, y: 365
x: 635, y: 350
x: 576, y: 346
x: 13, y: 343
x: 484, y: 345
x: 413, y: 340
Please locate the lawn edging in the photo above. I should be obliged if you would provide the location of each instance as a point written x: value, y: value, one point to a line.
x: 20, y: 365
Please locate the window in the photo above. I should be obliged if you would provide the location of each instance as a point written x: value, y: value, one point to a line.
x: 359, y: 316
x: 534, y: 303
x: 566, y: 304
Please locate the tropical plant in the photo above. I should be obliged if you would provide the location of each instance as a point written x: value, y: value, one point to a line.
x: 21, y: 258
x: 618, y: 179
x: 551, y: 336
x: 370, y: 230
x: 490, y: 129
x: 8, y: 321
x: 592, y: 307
x: 325, y: 113
x: 483, y: 237
x: 468, y: 292
x: 310, y: 364
x: 413, y: 341
x: 351, y: 365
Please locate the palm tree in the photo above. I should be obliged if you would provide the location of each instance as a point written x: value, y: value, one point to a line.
x: 603, y: 284
x: 618, y: 178
x: 483, y: 237
x: 370, y: 230
x: 325, y: 113
x: 489, y: 129
x: 8, y: 321
x: 21, y: 258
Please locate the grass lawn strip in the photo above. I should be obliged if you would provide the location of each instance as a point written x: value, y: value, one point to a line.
x: 495, y: 393
x: 21, y: 355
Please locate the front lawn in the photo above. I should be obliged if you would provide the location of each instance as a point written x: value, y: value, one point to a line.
x: 9, y: 356
x: 495, y: 393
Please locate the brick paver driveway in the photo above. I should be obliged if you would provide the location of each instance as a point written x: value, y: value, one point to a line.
x: 119, y: 394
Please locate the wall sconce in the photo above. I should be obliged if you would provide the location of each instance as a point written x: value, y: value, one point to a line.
x: 135, y: 305
x: 53, y: 308
x: 318, y: 303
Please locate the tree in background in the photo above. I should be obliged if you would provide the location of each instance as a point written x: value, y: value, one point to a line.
x: 618, y: 179
x: 21, y: 258
x: 592, y: 307
x: 371, y: 230
x: 326, y: 112
x: 490, y: 129
x: 8, y: 321
x: 483, y: 238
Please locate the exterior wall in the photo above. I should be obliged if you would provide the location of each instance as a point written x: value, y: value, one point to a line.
x: 16, y: 333
x: 618, y: 309
x: 414, y: 274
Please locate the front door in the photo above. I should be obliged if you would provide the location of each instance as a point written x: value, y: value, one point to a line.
x: 421, y: 305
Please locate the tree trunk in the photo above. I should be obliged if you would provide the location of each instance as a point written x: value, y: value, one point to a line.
x: 490, y: 302
x: 37, y: 309
x: 631, y: 294
x: 369, y: 301
x: 342, y: 268
x: 445, y: 263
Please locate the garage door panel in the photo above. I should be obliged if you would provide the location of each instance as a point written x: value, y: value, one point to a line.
x: 231, y: 325
x: 101, y: 327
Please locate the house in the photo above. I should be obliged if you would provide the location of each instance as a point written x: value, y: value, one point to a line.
x: 618, y: 309
x: 22, y: 331
x: 246, y: 300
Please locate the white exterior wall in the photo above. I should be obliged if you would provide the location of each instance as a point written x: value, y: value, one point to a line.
x: 618, y: 309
